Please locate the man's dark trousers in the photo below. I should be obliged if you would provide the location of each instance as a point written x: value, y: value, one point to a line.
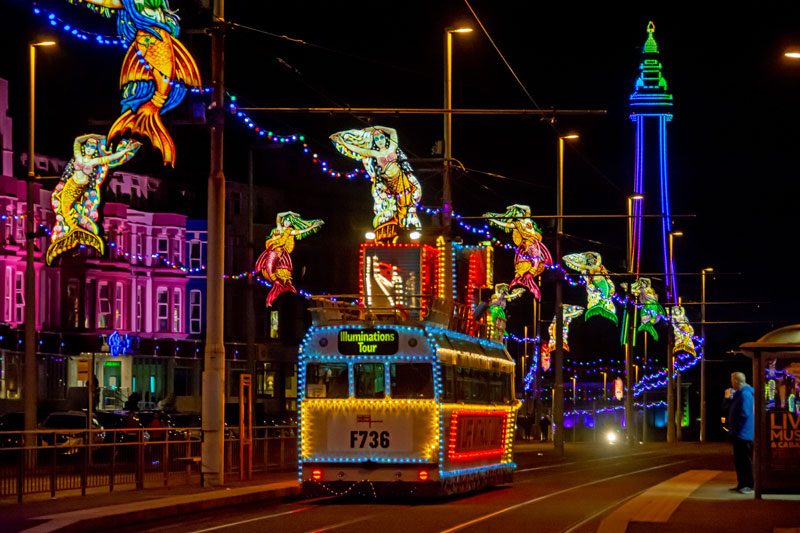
x: 743, y: 460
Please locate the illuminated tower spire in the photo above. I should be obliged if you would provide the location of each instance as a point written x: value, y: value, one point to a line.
x: 651, y: 104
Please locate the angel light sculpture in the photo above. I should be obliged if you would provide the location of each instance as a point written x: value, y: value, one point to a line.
x: 76, y: 198
x: 275, y: 262
x: 651, y: 311
x: 531, y: 256
x: 683, y: 332
x: 395, y: 190
x: 155, y: 71
x: 599, y: 287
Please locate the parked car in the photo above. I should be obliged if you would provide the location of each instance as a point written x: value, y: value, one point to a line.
x: 70, y: 430
x: 11, y: 422
x: 121, y: 420
x: 187, y: 425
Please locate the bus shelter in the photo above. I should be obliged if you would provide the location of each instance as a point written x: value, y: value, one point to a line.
x: 776, y: 379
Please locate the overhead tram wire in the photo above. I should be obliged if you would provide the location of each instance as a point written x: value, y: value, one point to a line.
x: 533, y: 101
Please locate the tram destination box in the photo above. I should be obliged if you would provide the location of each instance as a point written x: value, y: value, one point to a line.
x: 368, y: 341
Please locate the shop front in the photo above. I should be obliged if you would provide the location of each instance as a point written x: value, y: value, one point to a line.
x: 776, y: 371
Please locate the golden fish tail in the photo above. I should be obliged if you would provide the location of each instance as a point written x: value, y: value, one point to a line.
x: 147, y: 122
x: 70, y: 195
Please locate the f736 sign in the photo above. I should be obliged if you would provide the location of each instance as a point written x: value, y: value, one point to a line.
x: 371, y: 439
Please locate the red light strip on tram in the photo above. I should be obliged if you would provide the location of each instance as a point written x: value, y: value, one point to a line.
x: 455, y: 455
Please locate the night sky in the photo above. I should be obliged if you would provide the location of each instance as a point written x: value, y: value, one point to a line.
x: 732, y: 144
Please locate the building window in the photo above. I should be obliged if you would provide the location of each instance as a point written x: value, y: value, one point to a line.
x: 9, y: 230
x: 19, y: 233
x: 195, y: 254
x: 274, y: 322
x: 119, y: 315
x: 8, y: 300
x: 139, y: 308
x: 103, y: 305
x: 19, y: 289
x: 162, y: 312
x: 134, y: 238
x: 140, y: 246
x: 177, y: 304
x: 195, y: 310
x: 177, y: 248
x: 162, y: 247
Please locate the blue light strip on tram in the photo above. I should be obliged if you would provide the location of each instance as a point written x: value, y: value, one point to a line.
x: 452, y: 473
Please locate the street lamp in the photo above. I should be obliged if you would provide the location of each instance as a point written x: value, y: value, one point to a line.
x: 703, y: 359
x: 792, y: 53
x: 31, y: 387
x: 574, y: 405
x: 558, y: 359
x: 671, y: 267
x: 447, y: 190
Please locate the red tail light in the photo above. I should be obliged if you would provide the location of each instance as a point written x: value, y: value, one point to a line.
x: 423, y: 475
x: 316, y: 475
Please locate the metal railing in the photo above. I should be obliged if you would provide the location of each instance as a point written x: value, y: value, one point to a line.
x: 81, y: 459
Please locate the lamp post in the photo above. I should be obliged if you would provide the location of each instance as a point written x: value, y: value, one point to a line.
x: 673, y: 293
x: 574, y: 405
x: 703, y: 359
x: 630, y: 418
x: 31, y: 388
x: 558, y: 358
x: 447, y: 190
x: 673, y: 427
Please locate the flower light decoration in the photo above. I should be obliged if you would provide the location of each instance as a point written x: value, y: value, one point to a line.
x: 651, y: 310
x: 599, y: 287
x: 570, y: 312
x: 76, y: 198
x: 531, y: 256
x: 683, y: 332
x: 395, y: 190
x: 275, y: 263
x: 155, y: 72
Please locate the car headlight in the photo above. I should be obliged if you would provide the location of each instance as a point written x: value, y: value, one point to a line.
x: 611, y: 437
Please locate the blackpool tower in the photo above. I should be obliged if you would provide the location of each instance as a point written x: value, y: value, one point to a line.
x: 651, y: 109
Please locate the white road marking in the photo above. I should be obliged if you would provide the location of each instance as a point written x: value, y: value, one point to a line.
x: 231, y: 524
x: 580, y: 462
x: 340, y: 524
x: 550, y: 495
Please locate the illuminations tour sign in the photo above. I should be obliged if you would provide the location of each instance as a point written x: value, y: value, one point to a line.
x: 368, y: 342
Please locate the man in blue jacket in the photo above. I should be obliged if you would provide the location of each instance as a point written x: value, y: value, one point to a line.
x: 740, y: 427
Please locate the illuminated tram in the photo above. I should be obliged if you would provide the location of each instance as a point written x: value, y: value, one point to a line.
x: 410, y: 399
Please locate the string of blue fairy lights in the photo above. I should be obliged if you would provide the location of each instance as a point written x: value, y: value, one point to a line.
x: 56, y: 21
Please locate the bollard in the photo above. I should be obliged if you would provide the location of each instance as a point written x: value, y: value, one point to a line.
x: 20, y: 475
x: 84, y: 465
x: 165, y: 457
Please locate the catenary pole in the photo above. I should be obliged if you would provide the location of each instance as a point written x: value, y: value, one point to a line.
x: 213, y: 402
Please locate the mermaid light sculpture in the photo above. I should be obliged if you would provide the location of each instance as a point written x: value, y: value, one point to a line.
x: 155, y: 72
x: 395, y: 190
x: 275, y: 263
x: 76, y: 198
x: 570, y: 312
x: 497, y: 309
x: 531, y: 256
x: 651, y: 311
x: 599, y: 287
x: 683, y: 332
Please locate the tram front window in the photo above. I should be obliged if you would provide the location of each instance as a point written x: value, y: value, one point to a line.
x: 369, y: 380
x: 326, y: 380
x: 412, y: 381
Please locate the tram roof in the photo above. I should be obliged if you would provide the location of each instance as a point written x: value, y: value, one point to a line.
x: 460, y: 342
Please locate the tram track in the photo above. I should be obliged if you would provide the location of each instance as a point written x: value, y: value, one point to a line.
x: 556, y: 483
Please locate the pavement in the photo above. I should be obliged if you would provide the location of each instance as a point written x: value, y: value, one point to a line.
x: 694, y: 497
x: 100, y: 509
